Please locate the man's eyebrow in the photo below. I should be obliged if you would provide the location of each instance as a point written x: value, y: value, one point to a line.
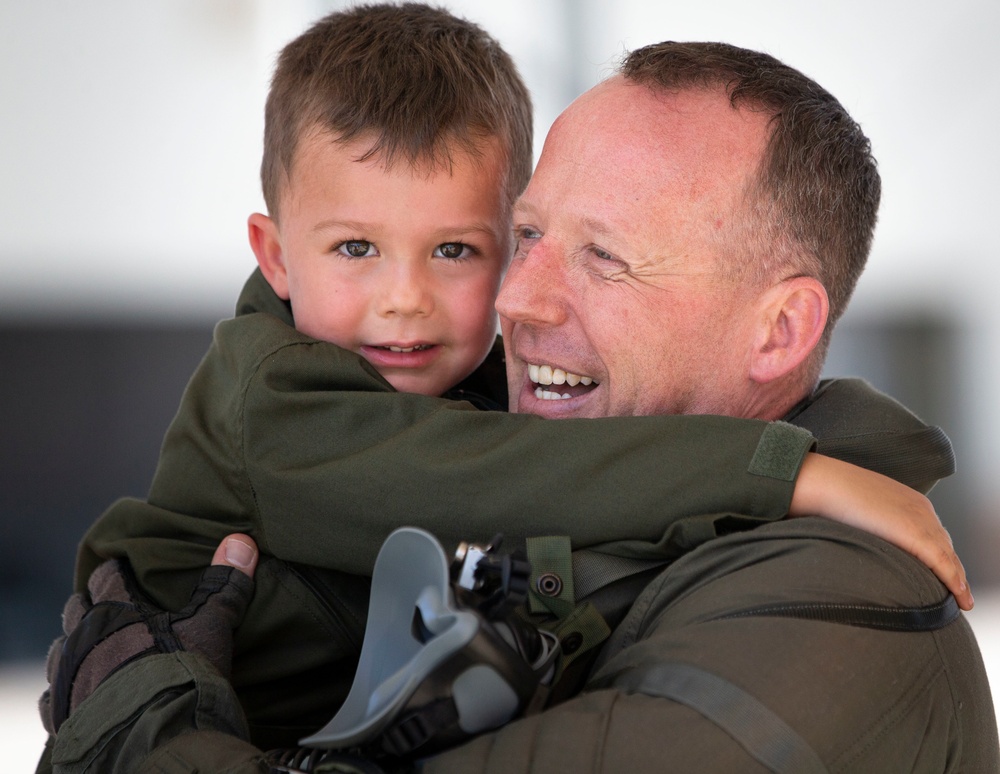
x: 596, y: 226
x: 525, y: 209
x: 522, y: 207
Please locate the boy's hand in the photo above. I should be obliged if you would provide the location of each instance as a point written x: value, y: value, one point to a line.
x: 884, y: 507
x: 114, y: 623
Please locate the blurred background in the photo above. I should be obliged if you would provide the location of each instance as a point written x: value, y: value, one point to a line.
x: 130, y: 139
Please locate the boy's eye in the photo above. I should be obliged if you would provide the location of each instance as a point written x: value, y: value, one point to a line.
x: 453, y: 250
x: 356, y: 248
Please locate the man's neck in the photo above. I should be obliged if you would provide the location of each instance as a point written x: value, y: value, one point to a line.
x: 777, y: 399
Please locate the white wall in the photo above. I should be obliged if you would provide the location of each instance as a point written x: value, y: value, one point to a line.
x: 130, y: 135
x: 130, y: 142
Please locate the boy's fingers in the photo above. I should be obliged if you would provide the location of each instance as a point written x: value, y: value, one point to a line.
x: 956, y: 580
x: 937, y: 553
x: 239, y: 551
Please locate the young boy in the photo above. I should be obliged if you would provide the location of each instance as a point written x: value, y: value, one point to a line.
x: 396, y: 141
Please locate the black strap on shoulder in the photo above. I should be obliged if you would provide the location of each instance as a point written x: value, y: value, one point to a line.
x: 758, y: 730
x: 413, y: 729
x: 762, y: 733
x: 885, y: 617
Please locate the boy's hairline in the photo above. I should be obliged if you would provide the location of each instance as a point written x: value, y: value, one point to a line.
x: 474, y: 143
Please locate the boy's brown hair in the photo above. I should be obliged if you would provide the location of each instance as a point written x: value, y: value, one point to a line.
x: 414, y: 78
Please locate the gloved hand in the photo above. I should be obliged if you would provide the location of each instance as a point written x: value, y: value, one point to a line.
x: 311, y: 761
x: 113, y: 623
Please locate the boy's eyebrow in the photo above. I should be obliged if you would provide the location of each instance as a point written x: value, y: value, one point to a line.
x: 375, y: 229
x: 354, y: 225
x: 478, y: 227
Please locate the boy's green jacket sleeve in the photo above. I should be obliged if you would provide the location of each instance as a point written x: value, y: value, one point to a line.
x: 305, y: 447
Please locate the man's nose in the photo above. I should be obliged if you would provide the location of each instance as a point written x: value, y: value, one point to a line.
x: 534, y: 287
x: 407, y: 290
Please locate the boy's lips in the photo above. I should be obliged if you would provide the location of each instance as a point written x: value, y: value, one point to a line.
x: 401, y: 355
x: 405, y: 348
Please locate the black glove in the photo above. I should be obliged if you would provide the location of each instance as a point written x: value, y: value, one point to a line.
x: 114, y: 623
x: 304, y: 760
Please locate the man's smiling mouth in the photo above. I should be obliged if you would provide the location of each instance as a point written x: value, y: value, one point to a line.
x: 572, y: 384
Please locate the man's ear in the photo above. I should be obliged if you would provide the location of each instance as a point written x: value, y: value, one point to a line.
x: 792, y: 319
x: 265, y: 241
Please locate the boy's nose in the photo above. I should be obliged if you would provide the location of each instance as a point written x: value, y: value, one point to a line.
x: 407, y: 292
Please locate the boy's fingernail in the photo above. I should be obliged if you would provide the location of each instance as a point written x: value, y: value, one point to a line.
x: 239, y: 553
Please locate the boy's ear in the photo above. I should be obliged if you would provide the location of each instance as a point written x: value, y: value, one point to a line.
x: 793, y: 316
x: 265, y: 241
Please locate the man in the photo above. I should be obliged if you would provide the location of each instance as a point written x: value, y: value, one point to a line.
x: 694, y: 227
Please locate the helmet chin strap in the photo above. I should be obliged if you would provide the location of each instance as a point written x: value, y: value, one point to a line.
x: 444, y: 656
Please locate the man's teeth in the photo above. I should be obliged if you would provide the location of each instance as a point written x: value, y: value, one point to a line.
x: 545, y: 374
x: 417, y: 348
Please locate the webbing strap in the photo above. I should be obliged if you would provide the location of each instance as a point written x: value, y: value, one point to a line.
x: 884, y: 617
x: 764, y: 735
x: 593, y: 570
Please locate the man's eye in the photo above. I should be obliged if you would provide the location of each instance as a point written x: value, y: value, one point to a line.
x: 357, y: 248
x: 607, y: 264
x: 525, y: 238
x: 453, y: 251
